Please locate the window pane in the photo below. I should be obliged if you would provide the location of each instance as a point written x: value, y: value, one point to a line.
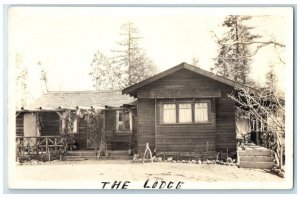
x: 185, y: 113
x: 201, y: 112
x: 123, y: 122
x: 169, y: 113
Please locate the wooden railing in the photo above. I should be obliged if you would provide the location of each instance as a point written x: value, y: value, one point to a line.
x: 42, y: 145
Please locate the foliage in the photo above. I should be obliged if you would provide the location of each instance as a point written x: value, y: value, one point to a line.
x: 91, y: 116
x: 234, y: 55
x: 128, y: 65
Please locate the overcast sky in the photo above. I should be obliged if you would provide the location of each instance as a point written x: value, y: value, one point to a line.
x: 64, y: 39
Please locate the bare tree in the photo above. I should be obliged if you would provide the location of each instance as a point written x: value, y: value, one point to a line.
x: 43, y: 77
x: 21, y: 81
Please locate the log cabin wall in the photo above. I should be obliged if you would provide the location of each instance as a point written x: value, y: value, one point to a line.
x: 225, y: 117
x: 181, y: 137
x: 186, y: 85
x: 20, y: 125
x: 146, y: 124
x: 117, y: 140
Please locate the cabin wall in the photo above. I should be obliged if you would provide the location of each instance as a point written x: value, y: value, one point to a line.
x: 218, y: 133
x: 117, y: 140
x: 146, y: 124
x: 181, y: 137
x: 20, y: 125
x: 181, y: 84
x: 226, y: 132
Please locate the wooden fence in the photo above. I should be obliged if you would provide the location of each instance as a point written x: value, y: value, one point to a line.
x: 42, y: 145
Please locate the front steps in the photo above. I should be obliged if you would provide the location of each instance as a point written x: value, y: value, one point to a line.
x: 80, y: 155
x: 253, y: 156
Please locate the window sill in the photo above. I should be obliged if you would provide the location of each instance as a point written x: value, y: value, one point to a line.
x: 181, y: 124
x: 123, y: 132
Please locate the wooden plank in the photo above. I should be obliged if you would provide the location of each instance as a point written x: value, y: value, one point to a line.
x: 256, y: 158
x: 254, y: 153
x: 258, y: 165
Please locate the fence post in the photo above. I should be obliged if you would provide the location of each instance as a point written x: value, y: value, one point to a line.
x: 190, y: 150
x: 281, y: 157
x: 164, y: 149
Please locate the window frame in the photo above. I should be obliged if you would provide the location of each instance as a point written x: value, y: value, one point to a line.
x: 208, y: 112
x: 117, y: 121
x: 185, y: 101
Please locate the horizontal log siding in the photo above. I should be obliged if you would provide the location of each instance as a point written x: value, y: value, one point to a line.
x: 181, y: 84
x: 146, y: 124
x: 187, y: 85
x: 186, y: 137
x: 20, y: 125
x: 225, y: 117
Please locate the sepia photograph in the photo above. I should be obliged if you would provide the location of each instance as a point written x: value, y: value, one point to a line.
x: 150, y: 98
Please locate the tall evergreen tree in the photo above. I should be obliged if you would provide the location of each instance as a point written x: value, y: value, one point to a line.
x: 128, y: 65
x: 234, y: 55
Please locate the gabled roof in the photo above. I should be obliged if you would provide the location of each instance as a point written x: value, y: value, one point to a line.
x: 133, y: 88
x: 73, y: 99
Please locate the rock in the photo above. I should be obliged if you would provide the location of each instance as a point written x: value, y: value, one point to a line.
x: 231, y: 164
x: 194, y: 161
x: 209, y: 162
x: 169, y: 159
x: 159, y: 159
x: 183, y: 161
x: 34, y: 162
x: 281, y: 174
x: 229, y: 160
x: 199, y: 162
x: 226, y: 163
x: 277, y: 171
x: 189, y: 162
x: 174, y: 161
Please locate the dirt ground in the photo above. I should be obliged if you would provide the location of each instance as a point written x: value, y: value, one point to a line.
x: 128, y: 170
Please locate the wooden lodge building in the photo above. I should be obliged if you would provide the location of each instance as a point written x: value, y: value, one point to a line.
x: 181, y: 109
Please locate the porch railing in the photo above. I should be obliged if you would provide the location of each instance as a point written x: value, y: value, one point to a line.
x: 42, y: 145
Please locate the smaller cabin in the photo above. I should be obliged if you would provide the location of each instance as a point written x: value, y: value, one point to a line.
x: 117, y: 125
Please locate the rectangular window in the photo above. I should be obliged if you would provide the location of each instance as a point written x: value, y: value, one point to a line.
x: 124, y: 120
x: 185, y: 113
x: 201, y: 112
x: 169, y: 113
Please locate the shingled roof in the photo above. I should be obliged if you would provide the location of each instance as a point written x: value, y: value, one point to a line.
x: 72, y: 99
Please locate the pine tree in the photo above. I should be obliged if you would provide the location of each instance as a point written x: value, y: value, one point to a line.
x: 128, y: 65
x: 132, y: 57
x: 234, y: 55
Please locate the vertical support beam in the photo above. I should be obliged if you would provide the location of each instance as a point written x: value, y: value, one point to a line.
x: 155, y: 123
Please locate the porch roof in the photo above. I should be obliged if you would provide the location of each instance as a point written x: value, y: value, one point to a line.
x: 86, y: 99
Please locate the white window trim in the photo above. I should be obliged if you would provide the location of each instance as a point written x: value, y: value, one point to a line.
x: 191, y: 114
x: 117, y: 121
x: 207, y: 112
x: 169, y: 109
